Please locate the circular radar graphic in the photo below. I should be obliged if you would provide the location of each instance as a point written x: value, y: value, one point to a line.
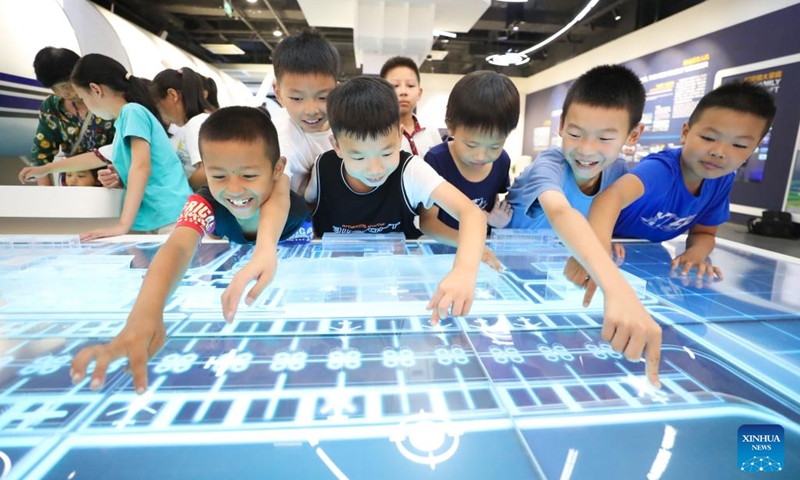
x: 426, y: 439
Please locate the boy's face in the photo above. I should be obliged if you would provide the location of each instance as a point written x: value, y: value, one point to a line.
x: 719, y: 142
x: 406, y: 85
x: 304, y: 96
x: 240, y: 176
x: 368, y: 163
x: 83, y: 178
x: 592, y: 137
x: 473, y: 149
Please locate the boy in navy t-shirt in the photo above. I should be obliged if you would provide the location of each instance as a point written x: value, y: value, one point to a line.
x: 247, y: 191
x: 482, y: 110
x: 686, y: 189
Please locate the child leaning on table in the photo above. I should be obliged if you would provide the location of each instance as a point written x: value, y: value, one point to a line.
x: 247, y: 192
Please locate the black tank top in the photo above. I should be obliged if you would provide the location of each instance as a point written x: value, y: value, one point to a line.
x: 339, y: 209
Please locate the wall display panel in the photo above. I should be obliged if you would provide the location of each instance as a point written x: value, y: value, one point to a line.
x: 676, y: 78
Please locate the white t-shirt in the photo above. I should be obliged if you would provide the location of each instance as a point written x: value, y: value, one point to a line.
x: 419, y: 182
x: 186, y: 141
x: 424, y: 140
x: 300, y: 148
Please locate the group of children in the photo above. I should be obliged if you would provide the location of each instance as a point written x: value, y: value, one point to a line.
x: 369, y: 182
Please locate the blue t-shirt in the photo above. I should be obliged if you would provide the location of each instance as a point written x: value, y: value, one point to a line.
x: 667, y: 208
x: 551, y: 171
x: 483, y: 193
x: 167, y: 188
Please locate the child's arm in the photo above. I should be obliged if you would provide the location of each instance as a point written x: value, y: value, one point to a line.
x: 144, y: 332
x: 602, y: 216
x: 261, y: 266
x: 77, y: 163
x: 137, y: 181
x: 457, y: 288
x: 626, y: 324
x: 431, y: 226
x: 699, y: 243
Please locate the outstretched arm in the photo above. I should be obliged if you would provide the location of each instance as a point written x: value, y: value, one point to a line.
x: 84, y: 161
x: 262, y: 265
x: 457, y: 289
x: 144, y: 333
x: 626, y: 324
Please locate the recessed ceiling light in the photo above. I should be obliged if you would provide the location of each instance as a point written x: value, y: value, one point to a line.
x: 507, y: 59
x: 277, y: 33
x: 252, y: 1
x: 223, y: 48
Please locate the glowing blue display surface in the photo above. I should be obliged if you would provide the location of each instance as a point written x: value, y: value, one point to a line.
x: 335, y: 371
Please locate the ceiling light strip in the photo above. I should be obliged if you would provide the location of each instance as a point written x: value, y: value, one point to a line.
x: 589, y: 6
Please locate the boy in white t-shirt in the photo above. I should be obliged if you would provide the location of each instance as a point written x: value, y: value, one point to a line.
x: 306, y: 69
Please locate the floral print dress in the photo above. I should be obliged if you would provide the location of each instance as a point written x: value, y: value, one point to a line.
x: 59, y: 129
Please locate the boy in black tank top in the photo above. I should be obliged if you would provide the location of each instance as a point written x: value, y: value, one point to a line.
x: 365, y: 185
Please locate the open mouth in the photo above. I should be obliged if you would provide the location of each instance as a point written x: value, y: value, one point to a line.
x: 376, y: 180
x: 316, y: 121
x: 584, y: 164
x: 240, y: 203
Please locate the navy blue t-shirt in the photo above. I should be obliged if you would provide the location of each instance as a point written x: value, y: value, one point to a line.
x: 483, y: 193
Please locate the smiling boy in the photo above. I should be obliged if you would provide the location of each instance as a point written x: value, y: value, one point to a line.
x: 246, y: 182
x: 366, y: 183
x: 306, y: 69
x: 687, y: 189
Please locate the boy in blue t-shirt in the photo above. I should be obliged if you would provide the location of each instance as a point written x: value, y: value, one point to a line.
x: 601, y: 113
x: 686, y: 189
x: 473, y: 160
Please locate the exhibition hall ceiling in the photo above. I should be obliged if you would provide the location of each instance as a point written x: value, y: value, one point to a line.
x: 504, y: 27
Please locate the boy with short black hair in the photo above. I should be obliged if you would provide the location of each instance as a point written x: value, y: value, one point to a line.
x: 601, y: 113
x: 367, y: 184
x: 482, y: 110
x: 246, y: 186
x: 403, y: 74
x: 306, y: 70
x: 687, y: 189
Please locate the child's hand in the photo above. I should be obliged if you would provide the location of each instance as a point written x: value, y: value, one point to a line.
x: 631, y: 330
x: 109, y: 177
x: 500, y: 215
x: 114, y: 231
x: 454, y: 293
x: 490, y: 259
x: 32, y: 174
x: 578, y: 275
x: 260, y: 268
x: 140, y: 339
x: 618, y: 253
x: 690, y: 260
